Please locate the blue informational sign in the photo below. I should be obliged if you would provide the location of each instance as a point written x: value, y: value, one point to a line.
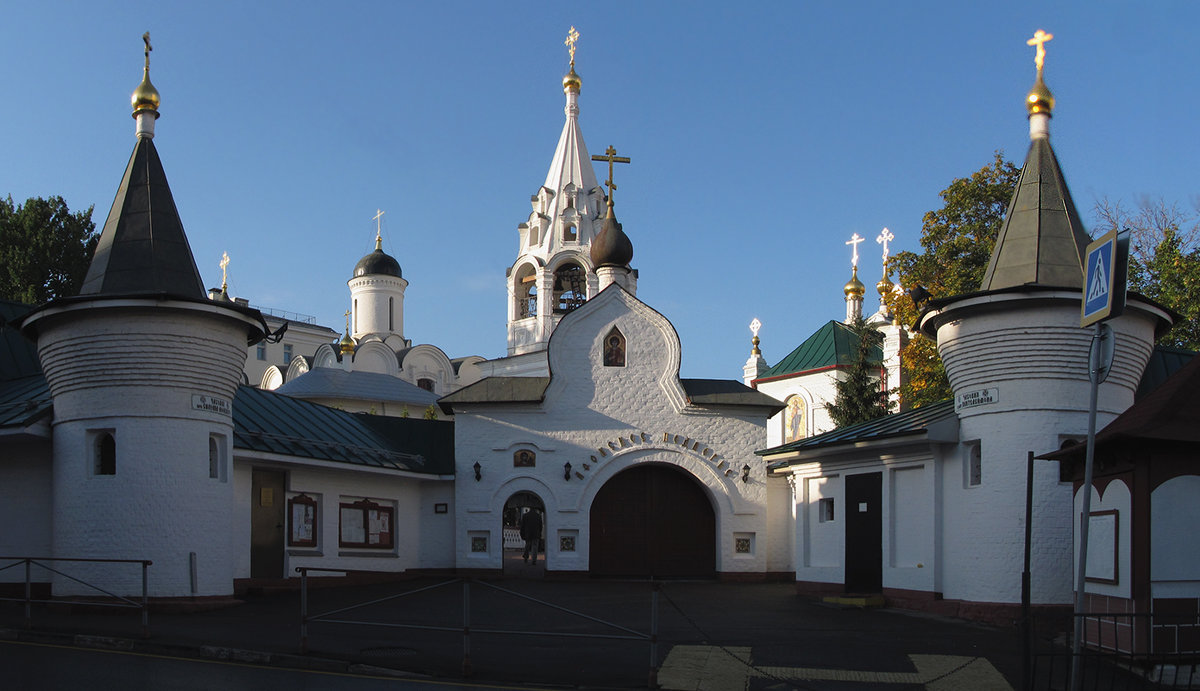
x: 1105, y: 266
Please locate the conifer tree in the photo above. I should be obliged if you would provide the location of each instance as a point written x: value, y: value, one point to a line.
x: 860, y: 396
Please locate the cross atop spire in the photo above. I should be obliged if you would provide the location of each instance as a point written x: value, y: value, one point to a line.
x: 1040, y: 39
x: 884, y: 238
x: 610, y: 155
x: 146, y: 40
x: 853, y: 242
x: 378, y: 218
x: 572, y: 38
x: 224, y: 264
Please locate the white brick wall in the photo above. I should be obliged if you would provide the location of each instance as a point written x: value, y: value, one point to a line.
x: 603, y: 420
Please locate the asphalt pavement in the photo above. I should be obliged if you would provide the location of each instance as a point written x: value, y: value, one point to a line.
x: 703, y: 636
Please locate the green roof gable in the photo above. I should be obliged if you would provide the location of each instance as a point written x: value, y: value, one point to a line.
x: 832, y: 345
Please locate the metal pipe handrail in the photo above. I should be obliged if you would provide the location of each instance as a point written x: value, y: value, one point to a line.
x: 122, y: 601
x: 467, y: 629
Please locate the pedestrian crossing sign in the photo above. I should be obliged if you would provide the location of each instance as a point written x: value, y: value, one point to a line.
x: 1105, y: 265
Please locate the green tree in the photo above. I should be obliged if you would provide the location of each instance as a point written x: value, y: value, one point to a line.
x: 45, y: 249
x: 956, y: 242
x: 1164, y: 260
x: 859, y: 394
x: 431, y: 412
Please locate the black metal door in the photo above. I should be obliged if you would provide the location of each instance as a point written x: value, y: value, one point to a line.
x: 652, y: 520
x: 267, y: 513
x: 864, y: 533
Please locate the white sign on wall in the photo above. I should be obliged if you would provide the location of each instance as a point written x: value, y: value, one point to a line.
x: 211, y: 404
x: 970, y: 399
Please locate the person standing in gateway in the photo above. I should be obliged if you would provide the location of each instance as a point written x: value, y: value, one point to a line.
x: 531, y: 533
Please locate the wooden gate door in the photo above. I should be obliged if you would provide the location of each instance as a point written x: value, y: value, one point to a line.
x: 864, y: 533
x: 652, y: 520
x: 267, y: 514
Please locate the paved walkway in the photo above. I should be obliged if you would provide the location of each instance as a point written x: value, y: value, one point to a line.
x: 712, y: 636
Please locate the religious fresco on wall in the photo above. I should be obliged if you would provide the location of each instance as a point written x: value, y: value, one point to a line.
x: 795, y: 420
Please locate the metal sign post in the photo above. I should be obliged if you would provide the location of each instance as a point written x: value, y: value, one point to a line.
x: 1103, y: 298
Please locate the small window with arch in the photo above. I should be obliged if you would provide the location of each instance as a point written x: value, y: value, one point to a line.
x: 104, y: 454
x: 425, y: 383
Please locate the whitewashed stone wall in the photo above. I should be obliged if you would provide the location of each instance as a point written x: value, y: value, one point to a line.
x: 1029, y: 352
x: 603, y: 420
x: 132, y: 369
x: 422, y: 538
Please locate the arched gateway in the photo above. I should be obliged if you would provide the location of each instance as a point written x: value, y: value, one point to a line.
x: 653, y: 521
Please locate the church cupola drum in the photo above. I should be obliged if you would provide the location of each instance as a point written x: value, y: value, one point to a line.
x: 143, y: 369
x: 554, y: 273
x: 377, y: 291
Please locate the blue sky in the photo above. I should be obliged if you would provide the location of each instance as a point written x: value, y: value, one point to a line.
x: 762, y: 136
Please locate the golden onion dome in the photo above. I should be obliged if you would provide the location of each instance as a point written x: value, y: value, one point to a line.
x: 885, y: 285
x: 572, y: 82
x: 854, y: 286
x: 347, y: 344
x: 145, y: 96
x: 1039, y: 100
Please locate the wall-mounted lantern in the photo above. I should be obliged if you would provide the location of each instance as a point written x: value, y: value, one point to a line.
x: 567, y: 471
x: 746, y: 473
x: 478, y: 471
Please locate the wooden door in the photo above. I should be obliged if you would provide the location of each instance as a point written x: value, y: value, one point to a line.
x: 864, y: 533
x: 652, y: 521
x: 268, y: 511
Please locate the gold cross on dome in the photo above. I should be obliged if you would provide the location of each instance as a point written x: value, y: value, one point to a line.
x: 224, y: 273
x: 1040, y: 38
x: 610, y: 155
x: 884, y: 238
x: 853, y: 242
x: 378, y: 218
x: 572, y: 37
x: 347, y: 315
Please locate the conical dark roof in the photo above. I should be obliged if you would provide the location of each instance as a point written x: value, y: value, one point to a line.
x: 143, y: 248
x: 1042, y: 241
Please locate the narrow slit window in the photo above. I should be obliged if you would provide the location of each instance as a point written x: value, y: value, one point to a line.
x: 105, y: 455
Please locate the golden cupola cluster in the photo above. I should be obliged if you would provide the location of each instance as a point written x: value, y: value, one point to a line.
x: 145, y: 98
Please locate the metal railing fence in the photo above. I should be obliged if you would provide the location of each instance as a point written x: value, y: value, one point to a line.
x: 467, y: 629
x: 114, y: 600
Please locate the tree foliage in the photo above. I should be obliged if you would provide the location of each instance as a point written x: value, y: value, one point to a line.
x: 956, y: 242
x: 45, y: 249
x: 1164, y: 261
x: 860, y: 397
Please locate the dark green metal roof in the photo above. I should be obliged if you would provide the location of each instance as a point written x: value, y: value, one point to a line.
x: 1163, y: 363
x: 1042, y: 241
x: 143, y: 248
x: 24, y: 401
x: 831, y: 345
x: 907, y: 423
x: 18, y: 355
x: 270, y: 422
x: 727, y: 392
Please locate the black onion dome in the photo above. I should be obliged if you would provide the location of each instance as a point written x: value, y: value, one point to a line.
x: 377, y: 262
x: 612, y: 246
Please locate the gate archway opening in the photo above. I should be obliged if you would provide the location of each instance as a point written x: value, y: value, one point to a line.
x: 653, y: 521
x: 514, y: 511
